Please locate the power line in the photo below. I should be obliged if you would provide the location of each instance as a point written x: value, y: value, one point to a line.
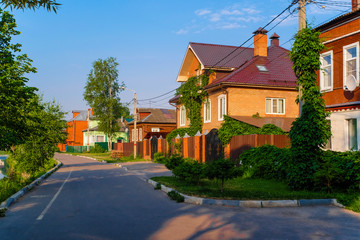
x: 288, y: 8
x: 157, y: 96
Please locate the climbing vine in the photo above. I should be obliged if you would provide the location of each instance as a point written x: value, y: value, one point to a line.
x: 311, y: 130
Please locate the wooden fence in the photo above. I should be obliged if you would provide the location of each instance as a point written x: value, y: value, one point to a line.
x: 203, y: 148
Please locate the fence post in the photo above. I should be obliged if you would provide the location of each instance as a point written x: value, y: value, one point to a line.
x: 203, y: 156
x: 177, y: 142
x: 160, y: 150
x: 197, y: 142
x: 227, y: 151
x: 186, y: 145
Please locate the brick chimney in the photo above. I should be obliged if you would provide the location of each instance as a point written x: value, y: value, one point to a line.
x: 355, y: 4
x: 260, y: 42
x: 274, y: 40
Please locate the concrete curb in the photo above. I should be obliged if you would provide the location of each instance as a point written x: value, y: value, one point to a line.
x: 250, y: 203
x: 16, y: 196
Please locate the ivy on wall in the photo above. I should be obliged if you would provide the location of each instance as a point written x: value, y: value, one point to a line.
x: 231, y: 127
x: 311, y: 130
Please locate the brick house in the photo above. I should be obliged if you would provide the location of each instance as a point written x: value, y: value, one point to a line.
x: 246, y: 82
x: 75, y: 126
x: 152, y: 122
x: 339, y: 78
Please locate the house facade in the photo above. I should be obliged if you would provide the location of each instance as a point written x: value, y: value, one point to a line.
x: 76, y: 125
x: 339, y: 78
x: 245, y: 82
x: 152, y: 122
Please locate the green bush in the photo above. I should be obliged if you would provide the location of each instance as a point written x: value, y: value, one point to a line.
x: 97, y: 149
x: 338, y: 171
x: 174, y: 161
x: 267, y: 162
x: 176, y: 196
x: 222, y: 169
x: 190, y: 171
x: 159, y: 157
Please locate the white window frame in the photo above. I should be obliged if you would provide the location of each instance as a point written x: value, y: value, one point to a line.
x: 207, y: 111
x: 140, y: 134
x: 322, y: 72
x: 271, y: 106
x: 102, y: 136
x: 356, y: 44
x: 155, y: 129
x: 182, y: 116
x: 222, y: 100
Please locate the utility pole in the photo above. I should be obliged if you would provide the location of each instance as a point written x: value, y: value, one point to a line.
x: 135, y: 130
x: 88, y: 130
x: 302, y: 25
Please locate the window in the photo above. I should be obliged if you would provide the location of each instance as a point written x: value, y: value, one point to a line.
x: 100, y: 138
x: 351, y: 62
x: 326, y: 73
x: 352, y: 134
x: 221, y: 107
x: 207, y: 111
x: 275, y: 106
x: 182, y: 116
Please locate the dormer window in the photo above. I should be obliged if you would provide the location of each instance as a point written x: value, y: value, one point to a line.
x: 262, y: 68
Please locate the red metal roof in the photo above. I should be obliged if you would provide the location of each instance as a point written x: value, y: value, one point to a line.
x: 211, y: 55
x: 279, y: 71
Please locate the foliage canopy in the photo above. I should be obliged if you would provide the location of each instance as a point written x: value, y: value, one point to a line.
x: 15, y: 96
x: 49, y: 5
x: 102, y: 94
x: 311, y: 130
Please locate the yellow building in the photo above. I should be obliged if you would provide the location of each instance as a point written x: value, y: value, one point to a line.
x: 246, y: 82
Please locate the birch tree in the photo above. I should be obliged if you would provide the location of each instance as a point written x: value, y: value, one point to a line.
x: 102, y: 94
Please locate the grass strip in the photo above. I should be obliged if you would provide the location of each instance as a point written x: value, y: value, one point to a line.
x: 254, y: 189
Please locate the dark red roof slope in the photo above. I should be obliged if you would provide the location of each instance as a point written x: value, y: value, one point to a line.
x: 211, y: 55
x: 278, y: 71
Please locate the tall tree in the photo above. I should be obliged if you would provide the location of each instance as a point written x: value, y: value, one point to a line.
x: 102, y: 94
x: 15, y: 95
x: 50, y: 5
x: 311, y: 131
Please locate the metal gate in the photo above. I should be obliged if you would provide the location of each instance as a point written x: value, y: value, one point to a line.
x: 153, y: 146
x: 213, y: 146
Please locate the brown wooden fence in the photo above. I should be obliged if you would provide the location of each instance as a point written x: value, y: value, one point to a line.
x: 195, y: 147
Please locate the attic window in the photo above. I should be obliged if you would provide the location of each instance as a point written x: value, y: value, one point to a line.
x: 261, y: 68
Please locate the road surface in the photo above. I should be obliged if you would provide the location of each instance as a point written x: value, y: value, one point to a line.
x: 86, y: 199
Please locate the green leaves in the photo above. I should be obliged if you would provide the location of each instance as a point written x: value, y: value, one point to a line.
x: 49, y: 5
x: 311, y: 131
x: 192, y: 95
x: 16, y: 99
x: 102, y: 94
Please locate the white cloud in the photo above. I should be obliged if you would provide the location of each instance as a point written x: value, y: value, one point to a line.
x: 215, y: 17
x: 229, y: 12
x: 230, y: 26
x: 181, y: 32
x: 202, y: 12
x: 251, y: 10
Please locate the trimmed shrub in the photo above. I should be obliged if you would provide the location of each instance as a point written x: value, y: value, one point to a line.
x: 159, y: 157
x: 174, y: 161
x: 97, y: 149
x: 222, y: 169
x: 267, y: 162
x: 190, y: 171
x: 338, y: 170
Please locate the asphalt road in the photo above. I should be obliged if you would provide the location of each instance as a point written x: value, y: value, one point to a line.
x: 85, y: 199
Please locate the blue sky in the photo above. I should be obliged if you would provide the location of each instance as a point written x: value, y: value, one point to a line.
x: 148, y: 38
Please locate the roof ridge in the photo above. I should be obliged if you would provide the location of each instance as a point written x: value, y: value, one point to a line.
x: 219, y: 45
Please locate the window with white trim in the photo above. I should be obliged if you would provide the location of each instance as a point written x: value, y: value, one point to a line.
x: 326, y: 72
x: 221, y: 107
x: 182, y: 116
x: 100, y: 138
x: 275, y: 106
x: 351, y: 62
x: 207, y: 111
x: 352, y: 134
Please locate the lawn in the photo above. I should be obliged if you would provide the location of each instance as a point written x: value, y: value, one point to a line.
x: 107, y: 158
x: 254, y: 189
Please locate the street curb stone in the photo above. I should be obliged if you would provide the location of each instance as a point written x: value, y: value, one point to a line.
x: 16, y: 196
x: 250, y: 203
